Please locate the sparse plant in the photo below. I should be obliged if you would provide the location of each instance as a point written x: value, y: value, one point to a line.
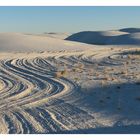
x: 74, y: 70
x: 112, y: 69
x: 60, y: 74
x: 129, y: 56
x: 107, y: 78
x: 97, y: 74
x: 123, y: 72
x: 113, y: 78
x: 127, y: 62
x: 81, y: 66
x: 76, y: 79
x: 64, y: 72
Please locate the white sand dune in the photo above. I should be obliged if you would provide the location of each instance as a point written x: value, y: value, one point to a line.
x: 83, y: 89
x: 17, y: 42
x: 130, y: 30
x: 56, y: 35
x: 128, y: 36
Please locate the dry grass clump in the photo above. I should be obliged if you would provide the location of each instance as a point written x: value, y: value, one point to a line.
x: 112, y: 78
x: 124, y: 73
x: 60, y: 74
x: 74, y: 69
x: 97, y: 74
x: 127, y: 62
x: 78, y: 68
x: 107, y: 78
x: 129, y: 57
x: 81, y: 66
x: 76, y: 79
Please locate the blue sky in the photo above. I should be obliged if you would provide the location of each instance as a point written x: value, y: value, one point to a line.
x: 67, y: 19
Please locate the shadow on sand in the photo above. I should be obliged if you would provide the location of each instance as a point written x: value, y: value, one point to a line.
x: 133, y: 129
x: 121, y: 100
x: 99, y: 38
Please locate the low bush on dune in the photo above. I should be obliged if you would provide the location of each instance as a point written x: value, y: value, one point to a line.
x: 81, y: 66
x: 74, y: 69
x: 57, y: 74
x: 60, y: 74
x: 64, y: 72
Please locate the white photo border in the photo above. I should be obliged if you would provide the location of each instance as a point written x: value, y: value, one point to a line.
x: 69, y: 3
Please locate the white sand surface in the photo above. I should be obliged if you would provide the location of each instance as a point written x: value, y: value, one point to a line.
x: 57, y: 35
x: 18, y: 42
x: 51, y: 85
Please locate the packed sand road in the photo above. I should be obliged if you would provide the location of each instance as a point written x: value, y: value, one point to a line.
x: 69, y: 92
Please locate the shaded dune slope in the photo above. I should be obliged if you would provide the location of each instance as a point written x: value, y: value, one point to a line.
x: 130, y: 30
x: 128, y: 36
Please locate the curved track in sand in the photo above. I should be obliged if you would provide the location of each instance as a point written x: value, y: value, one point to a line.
x: 33, y: 100
x: 25, y: 86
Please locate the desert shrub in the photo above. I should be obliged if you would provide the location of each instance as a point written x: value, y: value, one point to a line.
x: 63, y: 72
x: 123, y: 72
x: 107, y: 78
x: 76, y: 79
x: 60, y: 74
x: 74, y: 69
x: 79, y: 66
x: 113, y: 79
